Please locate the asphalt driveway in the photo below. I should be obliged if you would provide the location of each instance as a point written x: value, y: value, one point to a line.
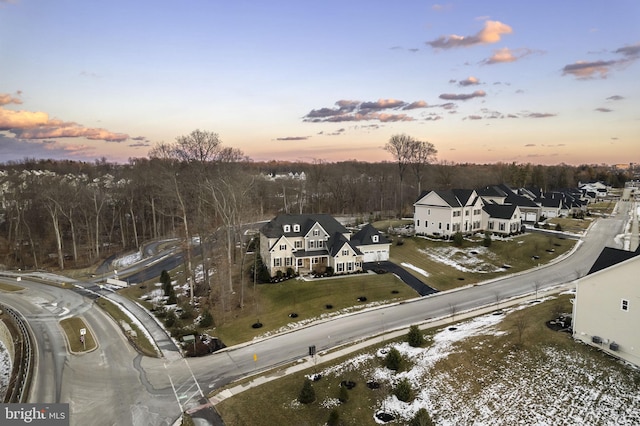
x: 404, y: 275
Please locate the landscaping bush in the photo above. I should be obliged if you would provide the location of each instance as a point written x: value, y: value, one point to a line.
x: 307, y: 393
x: 393, y: 360
x: 343, y: 396
x: 457, y: 239
x: 422, y: 418
x: 414, y: 337
x: 206, y: 320
x: 334, y: 418
x: 487, y: 239
x: 329, y: 270
x: 558, y: 227
x: 403, y: 390
x: 170, y: 320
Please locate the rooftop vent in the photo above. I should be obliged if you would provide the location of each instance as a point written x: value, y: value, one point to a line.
x: 596, y: 339
x: 614, y: 346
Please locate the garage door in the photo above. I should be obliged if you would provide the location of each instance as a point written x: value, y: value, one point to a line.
x: 530, y: 217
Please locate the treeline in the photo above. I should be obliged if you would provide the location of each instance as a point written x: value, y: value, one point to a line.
x: 56, y: 213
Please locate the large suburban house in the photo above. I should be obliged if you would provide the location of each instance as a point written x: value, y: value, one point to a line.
x: 444, y: 213
x: 606, y: 310
x: 502, y: 219
x: 307, y: 243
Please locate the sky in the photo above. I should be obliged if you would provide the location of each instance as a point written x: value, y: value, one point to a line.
x: 541, y: 82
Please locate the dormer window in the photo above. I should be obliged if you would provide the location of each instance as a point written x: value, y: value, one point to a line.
x: 287, y: 228
x: 374, y: 238
x: 296, y: 228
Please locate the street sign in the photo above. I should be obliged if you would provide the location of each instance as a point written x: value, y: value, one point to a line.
x: 83, y: 331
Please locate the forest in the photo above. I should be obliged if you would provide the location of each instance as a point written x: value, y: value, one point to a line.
x: 68, y: 214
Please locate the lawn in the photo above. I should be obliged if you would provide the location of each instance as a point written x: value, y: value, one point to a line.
x: 482, y: 372
x: 449, y: 266
x: 308, y: 299
x: 10, y: 287
x: 72, y: 327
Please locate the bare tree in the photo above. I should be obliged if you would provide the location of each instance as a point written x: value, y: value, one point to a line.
x: 520, y: 324
x: 422, y: 154
x: 401, y: 147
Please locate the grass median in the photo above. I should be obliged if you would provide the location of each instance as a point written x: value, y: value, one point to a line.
x: 78, y: 342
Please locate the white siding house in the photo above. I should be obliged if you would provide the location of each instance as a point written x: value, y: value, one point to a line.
x: 443, y: 213
x: 606, y: 310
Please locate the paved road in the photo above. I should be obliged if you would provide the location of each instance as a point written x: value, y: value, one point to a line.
x: 104, y: 387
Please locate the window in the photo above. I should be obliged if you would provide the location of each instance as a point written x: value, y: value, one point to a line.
x: 429, y: 212
x: 296, y: 228
x: 345, y: 252
x: 315, y: 260
x: 349, y: 266
x: 447, y: 226
x: 277, y: 261
x: 300, y: 262
x: 624, y: 305
x: 287, y: 228
x: 466, y: 212
x: 340, y: 267
x: 316, y: 232
x: 439, y: 225
x: 287, y: 261
x: 312, y: 244
x: 374, y: 238
x: 491, y: 225
x: 298, y: 244
x: 283, y: 246
x: 501, y: 226
x: 417, y: 224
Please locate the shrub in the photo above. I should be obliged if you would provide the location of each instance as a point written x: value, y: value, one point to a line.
x: 393, y: 360
x: 422, y: 418
x: 170, y: 320
x: 403, y: 390
x: 457, y: 239
x: 307, y: 393
x: 206, y: 320
x: 329, y: 270
x: 487, y: 239
x: 334, y: 418
x: 343, y: 396
x: 414, y: 337
x: 558, y: 227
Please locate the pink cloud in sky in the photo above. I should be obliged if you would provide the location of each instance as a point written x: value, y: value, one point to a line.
x: 491, y: 33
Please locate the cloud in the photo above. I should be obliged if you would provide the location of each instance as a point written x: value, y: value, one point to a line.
x: 474, y: 117
x: 505, y: 55
x: 538, y: 115
x: 471, y: 81
x: 6, y: 99
x: 491, y: 33
x: 441, y: 7
x: 615, y: 98
x: 603, y: 109
x: 38, y: 125
x: 530, y: 144
x: 632, y: 51
x: 462, y: 96
x: 585, y: 70
x: 293, y: 138
x: 346, y: 111
x: 416, y: 105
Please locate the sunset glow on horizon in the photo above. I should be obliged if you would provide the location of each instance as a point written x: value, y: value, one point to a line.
x: 497, y: 81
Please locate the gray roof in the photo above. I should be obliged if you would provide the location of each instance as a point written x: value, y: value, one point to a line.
x: 491, y: 191
x: 500, y: 211
x: 364, y: 236
x: 275, y: 227
x: 453, y: 197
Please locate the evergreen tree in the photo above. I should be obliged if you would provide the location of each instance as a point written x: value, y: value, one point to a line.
x: 422, y: 418
x: 403, y: 390
x: 414, y: 337
x: 307, y: 393
x: 393, y: 360
x: 344, y: 394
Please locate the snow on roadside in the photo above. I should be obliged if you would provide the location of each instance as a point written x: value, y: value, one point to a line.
x: 125, y: 261
x: 138, y: 324
x: 5, y: 369
x: 415, y: 268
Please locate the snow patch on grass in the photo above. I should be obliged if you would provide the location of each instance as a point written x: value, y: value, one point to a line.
x: 5, y: 369
x: 474, y: 260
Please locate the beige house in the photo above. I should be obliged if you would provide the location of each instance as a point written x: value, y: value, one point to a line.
x: 443, y: 213
x: 307, y: 243
x: 606, y: 310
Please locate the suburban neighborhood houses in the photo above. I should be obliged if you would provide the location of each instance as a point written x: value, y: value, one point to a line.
x: 307, y: 243
x: 605, y: 310
x: 498, y: 209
